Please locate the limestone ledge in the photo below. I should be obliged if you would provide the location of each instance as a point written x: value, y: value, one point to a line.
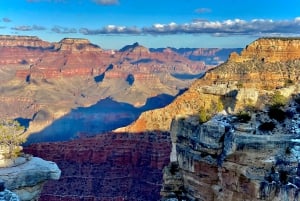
x: 27, y: 178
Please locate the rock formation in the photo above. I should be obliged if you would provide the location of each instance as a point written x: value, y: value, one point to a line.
x: 7, y: 195
x: 25, y: 176
x: 107, y: 167
x: 226, y: 158
x: 270, y: 50
x: 237, y: 82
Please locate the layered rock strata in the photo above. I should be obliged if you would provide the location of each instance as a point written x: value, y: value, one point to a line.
x: 107, y: 167
x: 224, y: 159
x: 36, y: 76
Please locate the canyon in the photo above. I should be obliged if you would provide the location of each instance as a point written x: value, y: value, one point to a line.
x: 232, y: 135
x: 45, y: 82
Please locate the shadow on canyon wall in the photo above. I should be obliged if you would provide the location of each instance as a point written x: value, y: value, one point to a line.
x: 106, y: 115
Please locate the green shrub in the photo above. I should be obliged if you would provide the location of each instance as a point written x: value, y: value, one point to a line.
x: 215, y: 107
x: 203, y: 116
x: 239, y: 85
x: 243, y: 117
x: 288, y: 82
x: 278, y: 100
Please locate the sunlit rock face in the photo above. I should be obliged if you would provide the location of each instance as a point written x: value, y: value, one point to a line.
x: 270, y: 50
x: 243, y: 78
x: 25, y: 176
x: 223, y: 159
x: 107, y: 167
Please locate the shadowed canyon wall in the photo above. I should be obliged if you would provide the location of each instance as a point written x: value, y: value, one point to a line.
x: 107, y: 167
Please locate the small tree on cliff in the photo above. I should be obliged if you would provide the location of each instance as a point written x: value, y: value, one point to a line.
x: 11, y: 137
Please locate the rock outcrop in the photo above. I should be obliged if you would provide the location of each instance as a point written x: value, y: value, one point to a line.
x: 7, y: 195
x: 224, y: 159
x: 25, y: 176
x: 270, y: 50
x: 107, y: 167
x: 23, y: 41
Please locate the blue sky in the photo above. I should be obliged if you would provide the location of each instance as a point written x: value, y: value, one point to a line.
x: 112, y: 24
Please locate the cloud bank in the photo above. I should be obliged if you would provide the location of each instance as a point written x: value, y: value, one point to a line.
x: 217, y: 28
x: 198, y: 26
x: 63, y: 30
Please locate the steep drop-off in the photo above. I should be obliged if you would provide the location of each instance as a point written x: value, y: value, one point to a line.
x: 107, y: 167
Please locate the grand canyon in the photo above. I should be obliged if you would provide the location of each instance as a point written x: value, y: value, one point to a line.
x: 158, y: 124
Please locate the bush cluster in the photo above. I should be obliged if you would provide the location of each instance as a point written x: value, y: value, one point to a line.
x: 206, y: 114
x: 243, y: 117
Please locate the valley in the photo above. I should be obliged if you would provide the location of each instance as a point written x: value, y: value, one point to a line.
x: 53, y: 85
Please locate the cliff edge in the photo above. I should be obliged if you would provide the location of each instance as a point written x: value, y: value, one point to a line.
x: 25, y: 176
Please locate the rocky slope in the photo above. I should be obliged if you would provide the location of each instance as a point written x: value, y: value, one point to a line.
x: 107, y: 167
x: 237, y: 82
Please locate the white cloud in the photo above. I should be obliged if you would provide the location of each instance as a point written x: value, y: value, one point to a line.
x: 28, y: 28
x: 106, y: 2
x: 297, y: 19
x: 215, y: 28
x: 203, y: 10
x: 63, y: 30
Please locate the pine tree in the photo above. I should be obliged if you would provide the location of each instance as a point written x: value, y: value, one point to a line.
x: 11, y: 137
